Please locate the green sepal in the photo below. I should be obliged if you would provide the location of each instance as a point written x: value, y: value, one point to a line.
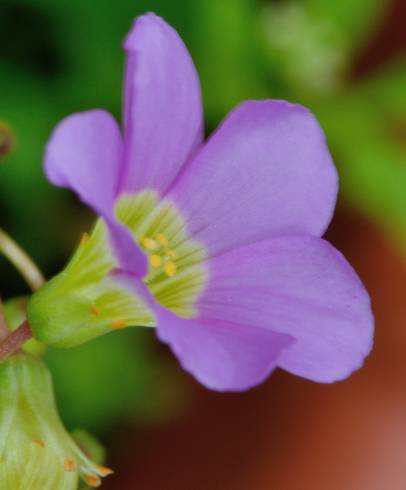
x: 36, y: 451
x: 84, y: 301
x: 89, y: 445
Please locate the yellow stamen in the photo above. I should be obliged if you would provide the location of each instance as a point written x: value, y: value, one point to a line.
x: 155, y: 260
x: 92, y: 480
x: 94, y: 310
x: 69, y: 465
x: 84, y: 239
x: 119, y: 324
x: 149, y: 243
x: 104, y: 470
x: 39, y: 443
x: 172, y: 254
x: 162, y: 239
x: 170, y: 268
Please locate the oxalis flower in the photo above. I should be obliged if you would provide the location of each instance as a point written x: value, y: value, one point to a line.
x: 216, y: 244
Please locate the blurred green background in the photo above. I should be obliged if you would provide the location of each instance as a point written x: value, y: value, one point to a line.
x: 59, y: 57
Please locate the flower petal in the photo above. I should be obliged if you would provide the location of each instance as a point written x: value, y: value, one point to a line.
x: 300, y: 286
x: 222, y: 355
x: 84, y: 154
x: 163, y: 108
x: 265, y: 172
x: 126, y: 250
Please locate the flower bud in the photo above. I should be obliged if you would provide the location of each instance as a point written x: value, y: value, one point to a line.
x: 36, y: 451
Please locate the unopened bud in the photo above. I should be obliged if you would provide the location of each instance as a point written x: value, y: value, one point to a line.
x: 36, y: 451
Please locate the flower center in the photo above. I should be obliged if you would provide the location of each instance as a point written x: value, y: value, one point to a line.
x: 85, y: 301
x: 160, y: 255
x: 176, y: 274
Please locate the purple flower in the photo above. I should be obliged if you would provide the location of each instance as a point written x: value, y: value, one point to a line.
x: 220, y: 239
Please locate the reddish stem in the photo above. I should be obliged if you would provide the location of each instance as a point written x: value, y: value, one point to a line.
x: 15, y: 340
x: 4, y: 330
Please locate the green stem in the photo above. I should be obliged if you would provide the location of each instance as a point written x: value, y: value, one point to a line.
x: 21, y: 261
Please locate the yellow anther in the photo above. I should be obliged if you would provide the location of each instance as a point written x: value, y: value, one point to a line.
x: 39, y: 443
x: 84, y: 239
x: 69, y: 465
x: 92, y: 480
x: 172, y: 254
x: 104, y: 470
x: 149, y: 243
x: 155, y: 260
x: 94, y: 310
x: 119, y: 324
x: 162, y: 239
x: 170, y: 268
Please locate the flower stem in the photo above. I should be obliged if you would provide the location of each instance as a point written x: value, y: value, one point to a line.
x: 4, y: 330
x: 15, y: 340
x: 21, y: 261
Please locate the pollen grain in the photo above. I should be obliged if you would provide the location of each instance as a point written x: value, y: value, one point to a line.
x: 92, y: 480
x: 104, y: 470
x: 69, y: 465
x: 150, y: 244
x: 162, y: 239
x: 94, y: 310
x: 155, y: 260
x: 170, y: 268
x: 84, y: 239
x: 118, y: 324
x: 39, y: 443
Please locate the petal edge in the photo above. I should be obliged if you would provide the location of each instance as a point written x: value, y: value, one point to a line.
x: 300, y: 286
x: 163, y: 116
x: 265, y: 172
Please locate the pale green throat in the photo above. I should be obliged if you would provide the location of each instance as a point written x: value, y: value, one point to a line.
x: 83, y: 302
